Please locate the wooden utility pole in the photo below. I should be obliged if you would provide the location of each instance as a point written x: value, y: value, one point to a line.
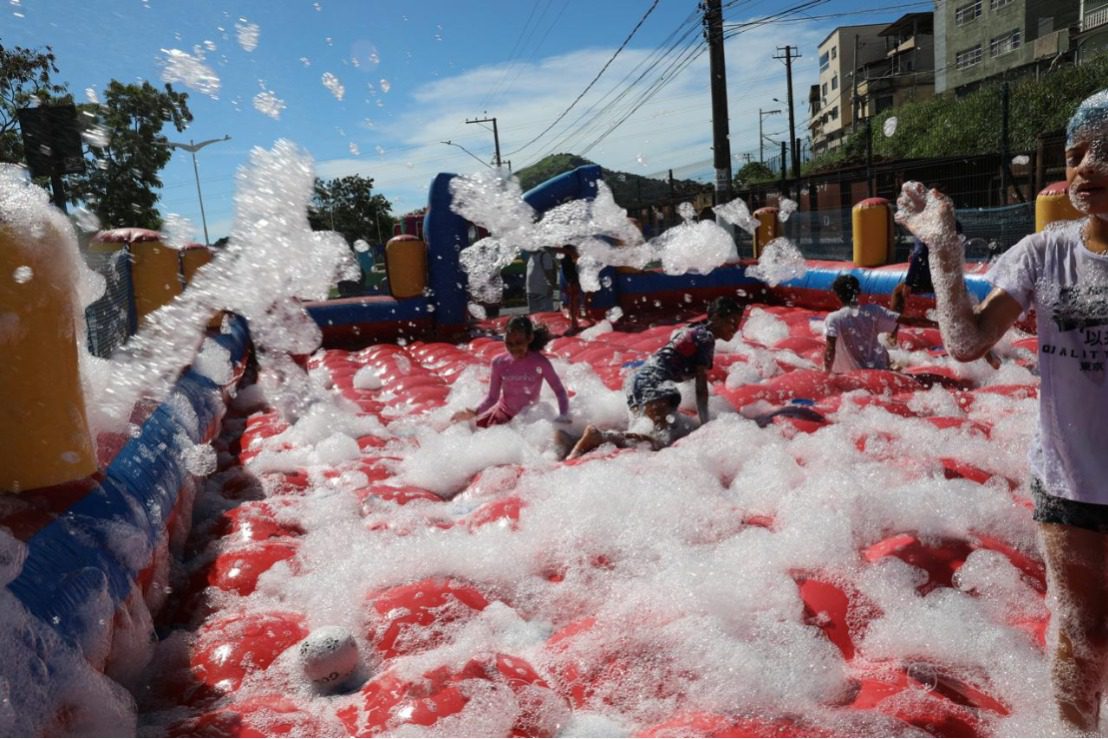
x: 721, y: 136
x: 789, y: 55
x: 495, y: 135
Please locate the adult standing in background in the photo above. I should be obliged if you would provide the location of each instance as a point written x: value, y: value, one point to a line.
x: 542, y: 277
x: 576, y: 300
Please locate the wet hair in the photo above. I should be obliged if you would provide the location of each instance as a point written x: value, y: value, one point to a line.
x: 724, y: 307
x: 847, y: 287
x: 537, y: 335
x: 1091, y: 113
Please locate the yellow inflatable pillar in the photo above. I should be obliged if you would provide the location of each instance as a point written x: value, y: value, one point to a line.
x: 46, y: 439
x: 406, y: 266
x: 193, y: 257
x: 769, y: 228
x: 1054, y: 204
x: 155, y: 271
x: 873, y: 232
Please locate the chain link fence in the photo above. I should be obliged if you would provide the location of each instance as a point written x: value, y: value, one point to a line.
x: 110, y: 320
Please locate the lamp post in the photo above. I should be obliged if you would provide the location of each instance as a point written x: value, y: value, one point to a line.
x: 761, y: 139
x: 192, y: 148
x: 467, y: 151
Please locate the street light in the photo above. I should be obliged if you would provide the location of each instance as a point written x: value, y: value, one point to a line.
x: 192, y: 148
x: 467, y: 151
x: 761, y: 139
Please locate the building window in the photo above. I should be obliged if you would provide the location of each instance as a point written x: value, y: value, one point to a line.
x: 1004, y: 44
x: 824, y: 90
x: 997, y: 4
x: 835, y: 82
x: 968, y: 58
x: 824, y: 61
x: 835, y: 113
x: 967, y: 13
x: 835, y: 49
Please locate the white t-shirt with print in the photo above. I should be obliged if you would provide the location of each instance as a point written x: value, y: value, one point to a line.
x: 1067, y: 285
x: 856, y: 329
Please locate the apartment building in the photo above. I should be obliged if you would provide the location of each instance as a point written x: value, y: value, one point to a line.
x: 1092, y: 35
x: 979, y: 39
x: 845, y: 50
x: 905, y: 73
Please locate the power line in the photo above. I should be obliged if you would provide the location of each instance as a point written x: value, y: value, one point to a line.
x: 512, y: 54
x: 734, y: 29
x: 683, y: 63
x: 538, y: 45
x: 589, y: 86
x: 689, y: 36
x: 844, y: 14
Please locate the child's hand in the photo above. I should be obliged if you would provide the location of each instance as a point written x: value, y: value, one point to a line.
x: 929, y: 215
x: 463, y: 415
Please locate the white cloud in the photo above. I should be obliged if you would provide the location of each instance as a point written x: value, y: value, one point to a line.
x: 671, y: 130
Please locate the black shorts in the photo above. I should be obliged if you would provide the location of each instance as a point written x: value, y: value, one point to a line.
x: 1052, y: 509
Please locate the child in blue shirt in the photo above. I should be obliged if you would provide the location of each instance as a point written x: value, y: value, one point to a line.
x: 653, y: 392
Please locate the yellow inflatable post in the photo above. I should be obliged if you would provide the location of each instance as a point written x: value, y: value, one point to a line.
x: 1053, y: 204
x: 193, y: 257
x: 406, y: 266
x: 769, y: 228
x: 155, y: 271
x: 42, y: 409
x: 873, y: 232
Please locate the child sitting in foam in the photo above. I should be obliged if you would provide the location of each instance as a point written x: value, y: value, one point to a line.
x: 853, y: 331
x: 517, y: 377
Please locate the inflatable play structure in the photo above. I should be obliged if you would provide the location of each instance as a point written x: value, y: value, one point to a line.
x: 832, y: 555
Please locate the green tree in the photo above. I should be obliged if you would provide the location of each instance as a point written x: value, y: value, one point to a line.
x: 24, y: 81
x: 348, y: 205
x: 753, y: 172
x: 127, y: 149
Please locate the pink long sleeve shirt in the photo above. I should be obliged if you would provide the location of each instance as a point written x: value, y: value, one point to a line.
x: 516, y: 383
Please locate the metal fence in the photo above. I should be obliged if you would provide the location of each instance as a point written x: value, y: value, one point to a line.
x: 828, y: 234
x: 110, y: 319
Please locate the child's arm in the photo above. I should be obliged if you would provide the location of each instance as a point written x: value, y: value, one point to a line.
x: 556, y: 385
x: 702, y: 394
x: 488, y: 402
x: 968, y: 331
x: 829, y: 354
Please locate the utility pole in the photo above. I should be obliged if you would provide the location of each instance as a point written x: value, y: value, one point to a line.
x: 721, y: 136
x: 761, y: 137
x: 495, y: 135
x: 1004, y: 155
x: 790, y: 54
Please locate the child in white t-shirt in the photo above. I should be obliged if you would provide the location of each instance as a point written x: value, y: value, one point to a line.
x: 1063, y: 274
x: 853, y: 331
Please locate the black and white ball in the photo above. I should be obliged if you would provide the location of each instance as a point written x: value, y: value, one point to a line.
x: 328, y: 655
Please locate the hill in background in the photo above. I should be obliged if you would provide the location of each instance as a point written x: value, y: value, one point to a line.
x: 630, y: 190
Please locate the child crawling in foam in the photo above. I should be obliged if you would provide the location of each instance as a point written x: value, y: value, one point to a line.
x: 653, y: 396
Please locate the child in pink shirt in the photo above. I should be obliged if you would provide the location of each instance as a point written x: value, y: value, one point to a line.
x: 517, y: 377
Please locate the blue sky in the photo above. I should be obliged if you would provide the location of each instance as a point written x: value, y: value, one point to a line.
x: 374, y: 87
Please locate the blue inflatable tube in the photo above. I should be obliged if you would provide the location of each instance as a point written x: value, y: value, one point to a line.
x: 87, y: 553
